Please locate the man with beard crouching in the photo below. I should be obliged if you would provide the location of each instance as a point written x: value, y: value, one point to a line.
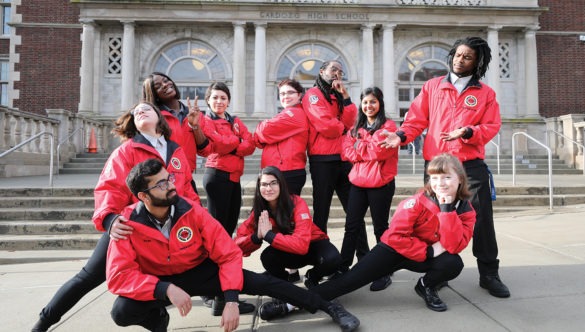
x: 176, y: 251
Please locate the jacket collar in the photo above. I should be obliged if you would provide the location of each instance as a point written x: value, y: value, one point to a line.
x: 474, y: 82
x: 140, y: 213
x: 228, y: 117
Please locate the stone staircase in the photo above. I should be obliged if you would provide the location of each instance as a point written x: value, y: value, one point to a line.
x: 85, y: 163
x: 60, y: 218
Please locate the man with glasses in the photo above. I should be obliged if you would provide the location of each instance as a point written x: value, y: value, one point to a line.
x: 154, y: 268
x: 331, y: 114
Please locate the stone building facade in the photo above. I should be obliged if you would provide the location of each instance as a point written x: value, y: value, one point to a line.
x: 90, y: 57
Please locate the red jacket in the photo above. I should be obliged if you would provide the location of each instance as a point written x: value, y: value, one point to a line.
x: 373, y: 166
x: 111, y: 193
x: 183, y: 135
x: 440, y: 108
x: 305, y: 232
x: 418, y: 223
x: 231, y: 142
x: 326, y: 125
x: 133, y: 265
x: 284, y: 139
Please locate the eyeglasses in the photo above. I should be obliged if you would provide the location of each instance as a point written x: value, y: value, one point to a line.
x: 271, y: 184
x: 163, y: 184
x: 141, y: 109
x: 287, y: 93
x: 338, y: 71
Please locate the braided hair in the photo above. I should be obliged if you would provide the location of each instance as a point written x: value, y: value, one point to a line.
x: 326, y: 88
x: 482, y: 50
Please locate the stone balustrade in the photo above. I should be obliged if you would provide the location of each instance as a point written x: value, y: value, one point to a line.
x: 33, y: 158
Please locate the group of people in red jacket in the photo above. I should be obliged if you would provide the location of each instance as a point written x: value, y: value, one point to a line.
x: 158, y: 238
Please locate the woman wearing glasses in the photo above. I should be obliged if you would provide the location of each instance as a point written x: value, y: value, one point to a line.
x: 145, y: 134
x: 284, y: 137
x: 284, y: 221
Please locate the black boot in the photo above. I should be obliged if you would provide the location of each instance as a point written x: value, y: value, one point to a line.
x: 342, y: 317
x: 494, y: 285
x: 430, y: 295
x: 272, y: 309
x: 40, y: 326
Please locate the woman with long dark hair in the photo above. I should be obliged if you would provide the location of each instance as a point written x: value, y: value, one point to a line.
x: 371, y: 176
x: 284, y: 222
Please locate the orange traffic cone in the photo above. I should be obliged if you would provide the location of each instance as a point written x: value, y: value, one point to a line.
x: 92, y: 147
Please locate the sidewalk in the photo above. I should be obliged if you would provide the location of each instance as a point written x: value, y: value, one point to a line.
x: 542, y: 261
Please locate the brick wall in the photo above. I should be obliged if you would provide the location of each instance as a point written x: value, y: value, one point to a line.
x: 561, y: 69
x: 50, y: 57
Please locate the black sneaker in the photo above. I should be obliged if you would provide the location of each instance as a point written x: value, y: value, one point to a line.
x: 219, y: 304
x: 429, y: 294
x: 40, y: 326
x: 294, y: 277
x: 272, y: 309
x: 342, y: 317
x: 164, y: 321
x: 494, y: 285
x: 381, y: 284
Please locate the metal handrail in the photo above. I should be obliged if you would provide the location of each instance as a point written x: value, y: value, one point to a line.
x: 497, y: 150
x: 548, y: 150
x: 567, y: 138
x: 413, y: 158
x: 65, y: 141
x: 31, y: 139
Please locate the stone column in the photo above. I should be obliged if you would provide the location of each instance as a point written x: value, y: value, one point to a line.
x: 86, y: 71
x: 367, y: 55
x: 388, y: 78
x: 531, y: 69
x: 260, y: 70
x: 128, y: 46
x: 238, y: 101
x: 493, y: 73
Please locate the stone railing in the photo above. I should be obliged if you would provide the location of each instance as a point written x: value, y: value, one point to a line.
x: 562, y: 132
x: 33, y: 158
x: 442, y: 2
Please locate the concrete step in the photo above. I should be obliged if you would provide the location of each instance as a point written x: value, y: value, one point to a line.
x: 49, y: 242
x: 38, y: 227
x: 9, y: 214
x: 99, y: 166
x: 55, y: 202
x: 81, y: 170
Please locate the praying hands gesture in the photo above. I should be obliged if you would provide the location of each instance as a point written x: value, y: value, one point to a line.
x: 264, y: 224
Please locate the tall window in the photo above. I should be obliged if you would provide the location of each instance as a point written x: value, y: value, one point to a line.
x: 5, y: 6
x: 420, y: 64
x: 193, y: 66
x: 4, y: 66
x: 303, y: 61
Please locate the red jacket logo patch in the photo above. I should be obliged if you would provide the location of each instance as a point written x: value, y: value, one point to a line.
x: 184, y: 234
x: 470, y: 101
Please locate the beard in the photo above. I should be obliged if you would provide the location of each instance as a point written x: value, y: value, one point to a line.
x: 163, y: 202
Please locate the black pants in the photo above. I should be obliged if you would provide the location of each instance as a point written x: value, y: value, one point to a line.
x: 224, y: 198
x: 295, y: 180
x: 382, y: 260
x: 91, y: 275
x: 204, y: 280
x: 485, y: 245
x: 327, y: 177
x: 322, y: 255
x: 379, y: 201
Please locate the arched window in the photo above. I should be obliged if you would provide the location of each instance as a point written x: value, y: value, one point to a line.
x: 302, y: 62
x: 420, y: 64
x: 193, y: 66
